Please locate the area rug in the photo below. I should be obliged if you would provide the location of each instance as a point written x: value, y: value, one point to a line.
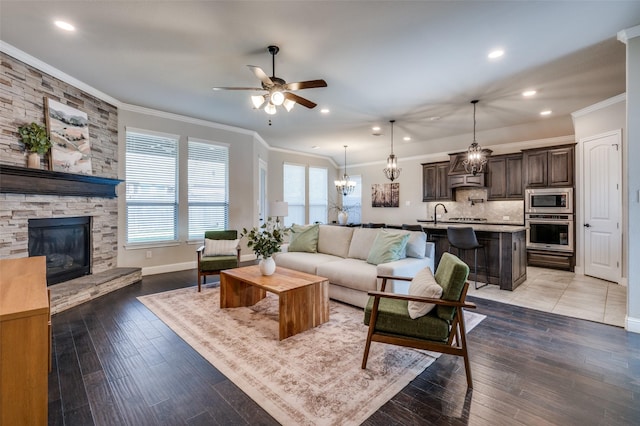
x: 312, y: 378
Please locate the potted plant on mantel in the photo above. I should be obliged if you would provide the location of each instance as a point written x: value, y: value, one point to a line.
x: 265, y: 241
x: 36, y: 142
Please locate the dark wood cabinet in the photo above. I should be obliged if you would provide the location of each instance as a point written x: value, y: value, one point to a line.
x: 435, y: 181
x: 504, y: 177
x: 506, y: 256
x: 549, y: 167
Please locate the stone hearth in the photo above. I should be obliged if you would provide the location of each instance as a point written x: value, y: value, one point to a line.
x: 71, y: 293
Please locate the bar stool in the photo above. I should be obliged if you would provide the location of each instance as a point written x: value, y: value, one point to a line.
x: 464, y: 238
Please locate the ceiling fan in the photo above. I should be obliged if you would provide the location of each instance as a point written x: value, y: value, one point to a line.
x: 279, y: 92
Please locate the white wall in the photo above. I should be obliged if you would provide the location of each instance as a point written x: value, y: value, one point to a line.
x: 632, y: 39
x: 244, y: 149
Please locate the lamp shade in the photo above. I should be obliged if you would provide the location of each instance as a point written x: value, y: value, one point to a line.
x: 278, y: 208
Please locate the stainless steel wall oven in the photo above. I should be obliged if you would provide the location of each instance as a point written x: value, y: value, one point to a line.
x: 552, y: 232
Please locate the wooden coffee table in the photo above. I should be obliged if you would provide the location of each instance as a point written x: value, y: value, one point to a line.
x: 304, y: 298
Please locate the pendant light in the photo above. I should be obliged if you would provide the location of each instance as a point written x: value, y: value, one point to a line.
x: 345, y: 186
x: 476, y: 158
x: 392, y: 172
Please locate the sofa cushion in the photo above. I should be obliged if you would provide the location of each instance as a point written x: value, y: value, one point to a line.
x: 387, y: 247
x: 416, y: 246
x: 352, y: 273
x: 304, y: 238
x: 220, y: 247
x: 302, y: 261
x: 423, y: 284
x: 362, y: 242
x: 334, y: 240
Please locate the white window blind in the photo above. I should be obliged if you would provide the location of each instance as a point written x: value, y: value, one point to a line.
x: 208, y: 197
x: 151, y: 196
x: 318, y: 199
x: 353, y: 201
x: 295, y: 193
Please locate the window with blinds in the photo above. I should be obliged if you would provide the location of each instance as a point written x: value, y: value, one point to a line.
x: 151, y: 196
x: 295, y: 193
x: 318, y: 199
x: 208, y: 188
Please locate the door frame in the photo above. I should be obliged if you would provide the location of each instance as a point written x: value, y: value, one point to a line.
x: 580, y: 211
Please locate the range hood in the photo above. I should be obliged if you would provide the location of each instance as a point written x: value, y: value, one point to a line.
x: 459, y: 177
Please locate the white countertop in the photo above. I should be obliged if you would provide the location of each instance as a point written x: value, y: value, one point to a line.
x: 476, y: 226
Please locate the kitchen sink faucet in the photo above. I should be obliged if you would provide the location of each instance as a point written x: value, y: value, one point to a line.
x: 435, y: 216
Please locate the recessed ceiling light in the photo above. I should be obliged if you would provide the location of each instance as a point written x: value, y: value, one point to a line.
x: 528, y: 93
x: 376, y: 128
x: 495, y: 53
x: 434, y: 118
x: 325, y: 111
x: 546, y: 112
x: 406, y: 138
x: 65, y: 26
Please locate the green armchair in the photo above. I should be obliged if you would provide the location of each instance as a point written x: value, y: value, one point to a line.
x: 441, y: 330
x: 221, y: 252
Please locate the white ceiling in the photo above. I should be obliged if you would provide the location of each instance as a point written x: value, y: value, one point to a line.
x: 403, y: 60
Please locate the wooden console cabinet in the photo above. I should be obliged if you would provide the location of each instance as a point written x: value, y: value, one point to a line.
x: 24, y: 341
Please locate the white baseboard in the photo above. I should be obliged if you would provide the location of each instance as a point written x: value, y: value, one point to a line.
x: 633, y: 325
x: 152, y: 270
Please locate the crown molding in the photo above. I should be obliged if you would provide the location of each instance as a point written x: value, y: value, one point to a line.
x: 629, y: 33
x: 600, y: 105
x: 305, y: 154
x: 54, y: 72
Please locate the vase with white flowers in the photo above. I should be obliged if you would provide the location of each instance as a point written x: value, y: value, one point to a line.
x: 265, y: 241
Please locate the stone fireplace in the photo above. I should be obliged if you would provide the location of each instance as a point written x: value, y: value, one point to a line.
x: 66, y: 243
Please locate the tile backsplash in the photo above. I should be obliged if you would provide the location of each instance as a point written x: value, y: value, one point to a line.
x: 507, y: 212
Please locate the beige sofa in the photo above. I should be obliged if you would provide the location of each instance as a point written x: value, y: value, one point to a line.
x: 342, y: 258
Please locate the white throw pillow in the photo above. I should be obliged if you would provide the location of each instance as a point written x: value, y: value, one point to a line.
x: 220, y: 247
x: 423, y: 284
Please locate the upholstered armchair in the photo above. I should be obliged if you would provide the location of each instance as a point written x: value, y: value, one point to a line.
x: 221, y: 250
x: 440, y: 330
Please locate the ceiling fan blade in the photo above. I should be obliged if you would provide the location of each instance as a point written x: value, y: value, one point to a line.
x: 300, y: 100
x: 264, y: 78
x: 305, y: 85
x: 238, y: 88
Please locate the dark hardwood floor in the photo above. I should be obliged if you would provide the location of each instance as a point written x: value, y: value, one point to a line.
x: 115, y: 363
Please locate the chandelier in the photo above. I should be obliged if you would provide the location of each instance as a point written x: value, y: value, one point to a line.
x: 476, y: 159
x: 345, y: 186
x: 392, y: 172
x: 272, y: 99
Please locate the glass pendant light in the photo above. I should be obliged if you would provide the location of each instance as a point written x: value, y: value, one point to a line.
x: 392, y: 172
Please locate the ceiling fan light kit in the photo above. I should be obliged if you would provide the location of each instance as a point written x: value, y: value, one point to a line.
x: 392, y: 172
x: 279, y: 92
x: 476, y: 158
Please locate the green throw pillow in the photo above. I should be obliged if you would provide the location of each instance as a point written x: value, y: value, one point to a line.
x: 387, y: 247
x: 304, y: 238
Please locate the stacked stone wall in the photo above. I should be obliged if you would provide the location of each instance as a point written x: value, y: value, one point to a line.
x: 23, y: 90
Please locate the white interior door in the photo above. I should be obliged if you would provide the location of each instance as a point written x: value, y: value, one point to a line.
x: 602, y: 205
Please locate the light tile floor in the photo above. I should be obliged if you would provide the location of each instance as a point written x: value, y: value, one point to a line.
x: 563, y: 293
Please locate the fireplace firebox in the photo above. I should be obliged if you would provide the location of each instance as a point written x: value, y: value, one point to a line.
x: 66, y: 242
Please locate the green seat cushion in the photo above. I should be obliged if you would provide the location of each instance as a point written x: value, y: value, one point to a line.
x: 218, y: 263
x: 451, y: 274
x: 393, y: 318
x: 221, y: 235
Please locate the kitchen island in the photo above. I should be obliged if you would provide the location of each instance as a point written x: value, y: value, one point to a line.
x: 505, y: 246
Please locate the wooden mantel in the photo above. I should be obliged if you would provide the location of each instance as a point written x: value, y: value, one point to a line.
x: 22, y: 180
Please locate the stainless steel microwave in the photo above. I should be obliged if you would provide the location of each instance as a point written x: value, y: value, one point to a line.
x: 549, y: 200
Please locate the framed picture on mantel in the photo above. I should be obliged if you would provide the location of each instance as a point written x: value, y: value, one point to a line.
x: 69, y: 134
x: 385, y: 194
